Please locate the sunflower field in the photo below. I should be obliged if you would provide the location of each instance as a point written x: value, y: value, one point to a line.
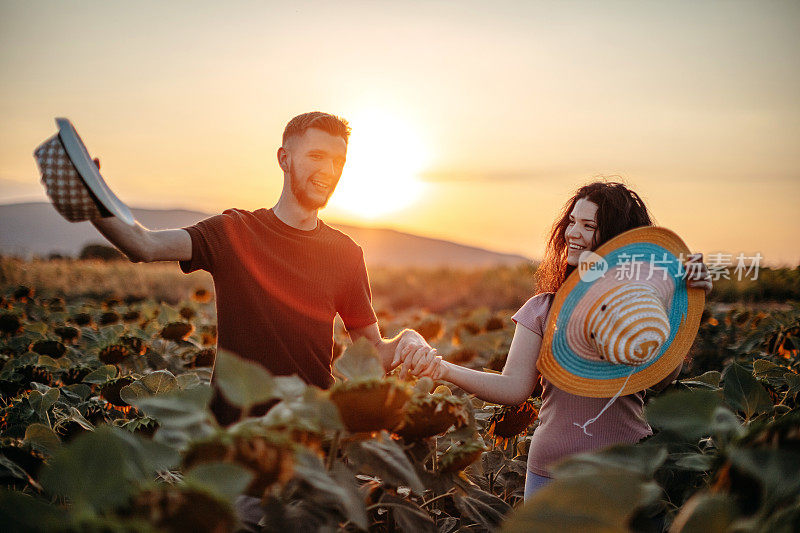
x: 105, y: 424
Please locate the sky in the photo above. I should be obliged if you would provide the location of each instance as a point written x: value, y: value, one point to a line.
x: 472, y: 121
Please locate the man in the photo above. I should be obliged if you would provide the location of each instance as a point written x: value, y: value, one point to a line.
x: 281, y: 274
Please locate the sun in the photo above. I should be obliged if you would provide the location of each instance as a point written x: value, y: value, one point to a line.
x: 384, y: 158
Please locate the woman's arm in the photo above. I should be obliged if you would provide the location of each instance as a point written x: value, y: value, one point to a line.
x: 512, y: 387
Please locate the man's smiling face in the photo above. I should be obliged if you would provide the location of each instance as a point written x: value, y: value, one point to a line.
x: 315, y: 163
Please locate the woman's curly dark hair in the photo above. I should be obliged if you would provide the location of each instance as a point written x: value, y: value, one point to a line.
x: 619, y: 209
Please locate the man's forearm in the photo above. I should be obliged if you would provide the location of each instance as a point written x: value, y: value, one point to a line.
x: 387, y: 348
x: 130, y: 240
x: 390, y: 350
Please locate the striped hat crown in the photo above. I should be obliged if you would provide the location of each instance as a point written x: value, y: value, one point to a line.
x: 627, y: 325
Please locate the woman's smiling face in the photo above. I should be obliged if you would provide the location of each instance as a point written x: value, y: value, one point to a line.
x: 581, y: 231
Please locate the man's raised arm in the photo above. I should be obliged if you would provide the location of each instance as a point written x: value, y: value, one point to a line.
x: 143, y: 245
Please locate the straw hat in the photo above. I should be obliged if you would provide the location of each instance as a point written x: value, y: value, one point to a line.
x: 73, y: 181
x: 624, y: 319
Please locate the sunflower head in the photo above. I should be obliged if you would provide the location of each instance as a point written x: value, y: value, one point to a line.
x: 134, y: 344
x: 509, y: 421
x: 204, y: 357
x: 208, y: 335
x: 10, y: 323
x: 35, y: 373
x: 268, y: 455
x: 81, y: 319
x: 131, y: 316
x: 110, y: 390
x: 431, y: 328
x: 113, y: 354
x: 460, y: 456
x: 201, y: 295
x: 111, y: 303
x: 54, y: 349
x: 75, y: 375
x: 494, y: 323
x: 68, y: 333
x: 22, y: 454
x: 108, y: 318
x: 432, y: 414
x: 23, y: 293
x: 177, y: 331
x: 374, y: 405
x: 55, y: 304
x: 131, y: 299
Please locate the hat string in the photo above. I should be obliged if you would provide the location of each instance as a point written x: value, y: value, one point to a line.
x: 611, y: 401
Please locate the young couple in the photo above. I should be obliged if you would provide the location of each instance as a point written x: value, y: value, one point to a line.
x: 281, y: 275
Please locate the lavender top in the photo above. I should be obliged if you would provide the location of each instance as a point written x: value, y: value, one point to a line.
x: 557, y: 437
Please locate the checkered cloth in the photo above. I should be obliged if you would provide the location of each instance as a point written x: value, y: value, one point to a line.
x: 64, y: 185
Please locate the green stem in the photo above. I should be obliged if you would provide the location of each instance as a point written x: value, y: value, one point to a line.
x: 388, y: 504
x: 448, y: 493
x: 334, y: 450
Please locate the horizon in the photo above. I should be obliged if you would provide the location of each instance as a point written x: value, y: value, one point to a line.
x: 471, y: 124
x: 534, y: 260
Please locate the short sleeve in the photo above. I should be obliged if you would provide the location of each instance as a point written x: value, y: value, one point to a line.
x: 210, y: 237
x: 355, y: 303
x: 533, y: 314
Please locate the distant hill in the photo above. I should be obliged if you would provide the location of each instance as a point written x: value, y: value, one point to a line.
x: 29, y: 229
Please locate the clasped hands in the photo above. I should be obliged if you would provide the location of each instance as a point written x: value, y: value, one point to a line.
x: 416, y: 357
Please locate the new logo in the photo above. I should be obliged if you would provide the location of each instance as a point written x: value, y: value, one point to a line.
x: 591, y: 266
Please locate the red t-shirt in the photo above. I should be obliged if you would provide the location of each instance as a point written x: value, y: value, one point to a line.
x: 279, y: 288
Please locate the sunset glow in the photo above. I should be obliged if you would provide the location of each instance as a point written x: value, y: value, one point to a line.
x: 384, y: 159
x: 472, y: 124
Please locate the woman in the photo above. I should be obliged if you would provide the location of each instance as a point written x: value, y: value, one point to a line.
x: 595, y: 214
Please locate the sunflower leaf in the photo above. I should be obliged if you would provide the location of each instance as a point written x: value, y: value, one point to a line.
x: 777, y: 470
x: 134, y: 391
x: 685, y: 413
x: 188, y: 380
x: 99, y: 470
x: 227, y: 480
x: 360, y: 361
x: 706, y: 512
x: 42, y: 438
x: 793, y: 380
x: 21, y: 512
x: 766, y: 369
x: 708, y: 380
x: 160, y: 381
x: 101, y: 375
x: 384, y: 458
x: 744, y: 392
x: 179, y: 409
x: 587, y: 502
x: 621, y: 457
x: 243, y: 383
